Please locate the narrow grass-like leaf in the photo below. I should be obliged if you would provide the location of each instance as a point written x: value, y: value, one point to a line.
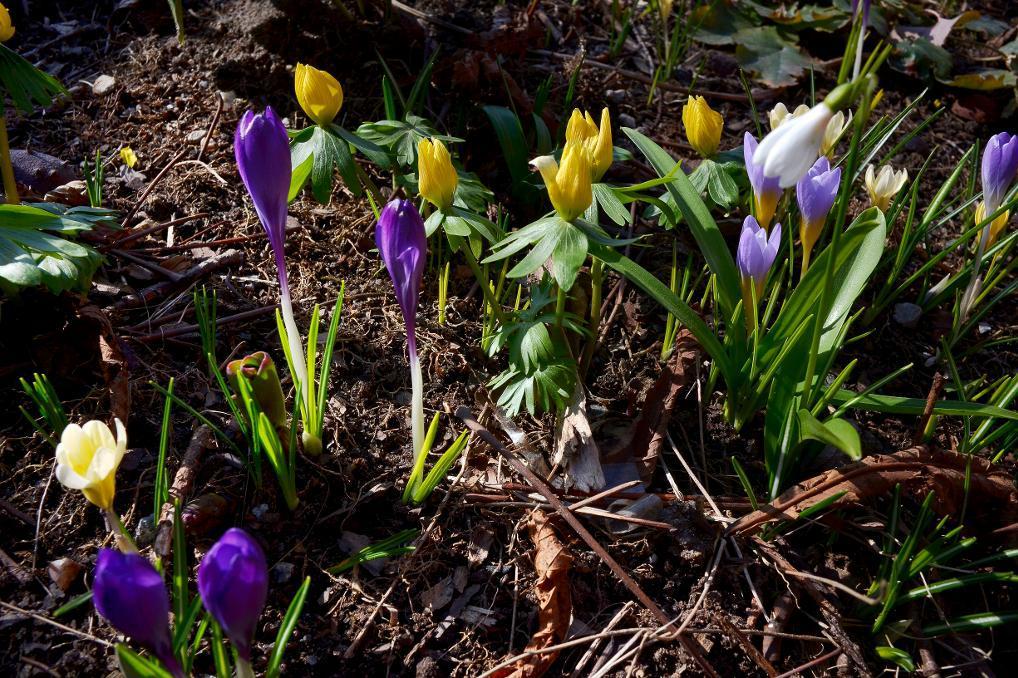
x: 286, y: 629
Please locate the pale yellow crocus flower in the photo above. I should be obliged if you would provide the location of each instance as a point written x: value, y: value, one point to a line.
x: 882, y: 186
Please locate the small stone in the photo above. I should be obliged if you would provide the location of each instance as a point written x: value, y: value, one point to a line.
x: 616, y: 95
x: 984, y: 328
x: 260, y: 511
x: 63, y: 572
x: 627, y: 120
x: 196, y: 136
x: 103, y: 85
x: 282, y: 572
x: 907, y: 314
x: 145, y: 531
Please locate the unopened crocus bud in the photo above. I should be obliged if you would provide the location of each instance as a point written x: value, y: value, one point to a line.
x: 262, y: 149
x: 259, y: 371
x: 595, y: 141
x: 6, y: 27
x: 754, y: 259
x: 1000, y: 164
x: 766, y: 191
x: 835, y: 128
x: 437, y: 178
x: 815, y: 193
x: 703, y: 126
x: 568, y: 182
x: 318, y: 93
x: 233, y: 581
x: 882, y: 186
x: 780, y: 114
x: 403, y: 245
x: 129, y: 593
x: 87, y: 459
x: 789, y: 151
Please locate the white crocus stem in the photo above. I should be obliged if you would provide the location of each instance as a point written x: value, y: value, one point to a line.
x: 788, y: 152
x: 417, y: 402
x: 244, y: 669
x: 120, y: 534
x: 296, y: 346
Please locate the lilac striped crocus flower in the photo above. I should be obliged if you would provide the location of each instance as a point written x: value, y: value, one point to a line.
x: 815, y: 193
x: 1000, y: 164
x: 754, y: 259
x: 233, y: 581
x: 766, y: 190
x: 262, y: 149
x: 403, y: 246
x: 129, y: 593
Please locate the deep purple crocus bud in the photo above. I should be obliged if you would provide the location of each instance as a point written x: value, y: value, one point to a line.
x: 766, y: 190
x: 1000, y: 164
x: 130, y: 594
x: 403, y: 245
x: 757, y: 251
x: 233, y: 581
x: 816, y: 193
x: 263, y: 158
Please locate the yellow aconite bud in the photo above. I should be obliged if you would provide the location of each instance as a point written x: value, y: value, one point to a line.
x: 437, y: 178
x: 703, y: 126
x: 596, y: 142
x: 87, y: 460
x: 6, y: 27
x: 882, y: 186
x: 996, y: 226
x: 318, y: 93
x: 568, y: 183
x: 129, y: 157
x: 665, y: 7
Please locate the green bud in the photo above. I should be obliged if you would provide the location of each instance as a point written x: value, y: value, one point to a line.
x: 260, y: 373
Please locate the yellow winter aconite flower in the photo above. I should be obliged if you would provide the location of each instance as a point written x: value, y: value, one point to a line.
x: 6, y: 27
x: 437, y: 178
x: 568, y: 182
x: 779, y: 114
x: 128, y: 156
x: 318, y: 93
x: 703, y: 126
x: 882, y: 186
x: 87, y: 460
x: 996, y: 226
x: 595, y: 141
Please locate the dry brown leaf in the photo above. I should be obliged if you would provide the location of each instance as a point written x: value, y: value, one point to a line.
x: 576, y: 450
x: 919, y: 471
x: 552, y: 561
x: 114, y: 365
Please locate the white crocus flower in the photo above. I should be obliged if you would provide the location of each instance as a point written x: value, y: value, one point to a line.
x: 779, y: 114
x: 87, y: 460
x: 882, y: 186
x: 789, y: 151
x: 833, y: 133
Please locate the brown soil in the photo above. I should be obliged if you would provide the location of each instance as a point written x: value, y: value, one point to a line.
x: 475, y: 559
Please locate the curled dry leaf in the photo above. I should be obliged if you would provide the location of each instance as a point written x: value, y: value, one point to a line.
x: 552, y: 561
x: 919, y: 471
x: 114, y: 364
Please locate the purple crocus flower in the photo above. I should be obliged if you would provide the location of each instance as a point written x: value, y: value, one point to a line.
x: 129, y: 593
x: 233, y: 581
x: 766, y: 190
x: 1000, y: 164
x: 403, y: 245
x: 816, y: 193
x: 262, y: 149
x: 754, y: 258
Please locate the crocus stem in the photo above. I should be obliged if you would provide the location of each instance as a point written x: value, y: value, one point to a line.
x: 443, y: 292
x: 244, y: 669
x: 124, y: 541
x: 293, y: 334
x: 6, y: 168
x: 417, y: 398
x: 807, y: 250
